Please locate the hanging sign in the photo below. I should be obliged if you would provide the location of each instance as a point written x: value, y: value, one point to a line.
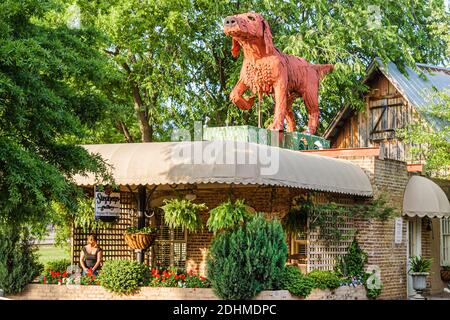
x: 398, y: 230
x: 107, y: 205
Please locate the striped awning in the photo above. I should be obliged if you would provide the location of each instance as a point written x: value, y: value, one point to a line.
x: 230, y: 162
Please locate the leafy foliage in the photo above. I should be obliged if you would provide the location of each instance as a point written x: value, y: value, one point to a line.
x: 146, y: 230
x: 420, y: 264
x: 327, y: 217
x: 123, y: 276
x: 352, y: 263
x: 168, y: 86
x: 297, y: 283
x: 430, y: 142
x: 183, y: 213
x: 51, y: 78
x: 228, y: 215
x: 324, y: 279
x: 246, y: 260
x: 57, y: 265
x: 18, y: 260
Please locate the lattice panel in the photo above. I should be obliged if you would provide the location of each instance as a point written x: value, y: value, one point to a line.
x: 322, y: 253
x: 111, y: 239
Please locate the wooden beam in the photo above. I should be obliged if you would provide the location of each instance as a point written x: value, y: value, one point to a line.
x: 347, y: 152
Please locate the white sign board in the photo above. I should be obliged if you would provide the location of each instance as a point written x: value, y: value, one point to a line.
x: 398, y: 230
x: 107, y: 204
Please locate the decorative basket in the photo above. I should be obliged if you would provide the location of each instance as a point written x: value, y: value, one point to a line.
x: 139, y: 241
x: 445, y: 275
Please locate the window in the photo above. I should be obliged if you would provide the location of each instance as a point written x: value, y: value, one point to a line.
x: 170, y: 246
x: 445, y: 241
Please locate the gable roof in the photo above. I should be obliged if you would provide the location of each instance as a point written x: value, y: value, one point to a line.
x: 415, y: 89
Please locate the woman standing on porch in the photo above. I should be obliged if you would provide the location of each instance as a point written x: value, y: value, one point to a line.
x: 91, y: 256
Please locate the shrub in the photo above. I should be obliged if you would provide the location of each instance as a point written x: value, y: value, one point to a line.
x: 297, y: 283
x: 18, y: 259
x: 57, y: 265
x: 228, y: 215
x: 247, y: 260
x: 325, y: 279
x: 353, y: 262
x: 123, y: 276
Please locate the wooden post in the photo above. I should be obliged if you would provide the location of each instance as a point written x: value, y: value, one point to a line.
x: 142, y: 198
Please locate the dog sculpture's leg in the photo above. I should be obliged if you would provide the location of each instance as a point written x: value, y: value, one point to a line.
x: 290, y: 117
x: 238, y: 100
x: 280, y: 105
x: 311, y: 99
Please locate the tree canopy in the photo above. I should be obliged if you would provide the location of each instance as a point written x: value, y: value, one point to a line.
x: 52, y: 84
x: 178, y: 68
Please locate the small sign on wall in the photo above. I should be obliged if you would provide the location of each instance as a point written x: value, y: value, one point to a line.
x: 398, y: 230
x: 107, y: 205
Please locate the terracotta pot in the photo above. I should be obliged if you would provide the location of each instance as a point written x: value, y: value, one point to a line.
x: 139, y: 241
x: 445, y: 275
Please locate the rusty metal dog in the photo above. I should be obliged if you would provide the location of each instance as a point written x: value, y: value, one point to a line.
x: 266, y: 70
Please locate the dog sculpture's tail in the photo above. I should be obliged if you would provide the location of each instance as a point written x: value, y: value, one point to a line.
x: 323, y: 69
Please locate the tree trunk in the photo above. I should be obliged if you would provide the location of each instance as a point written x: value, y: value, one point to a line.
x: 122, y: 127
x: 144, y: 127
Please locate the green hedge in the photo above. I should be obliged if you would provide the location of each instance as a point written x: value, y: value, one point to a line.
x: 324, y: 279
x: 19, y: 262
x: 251, y: 258
x: 59, y: 265
x: 123, y: 276
x: 297, y: 283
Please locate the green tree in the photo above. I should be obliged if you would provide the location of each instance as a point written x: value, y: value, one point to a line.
x: 434, y: 141
x: 51, y: 83
x: 178, y: 68
x: 247, y: 259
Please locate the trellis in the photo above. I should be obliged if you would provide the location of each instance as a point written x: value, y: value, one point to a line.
x: 322, y: 253
x: 169, y: 249
x: 110, y: 239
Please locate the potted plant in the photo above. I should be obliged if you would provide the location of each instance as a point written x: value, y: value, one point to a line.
x: 445, y: 272
x: 419, y: 270
x: 140, y: 239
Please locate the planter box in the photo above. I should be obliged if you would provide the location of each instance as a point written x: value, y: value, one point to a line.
x: 74, y: 292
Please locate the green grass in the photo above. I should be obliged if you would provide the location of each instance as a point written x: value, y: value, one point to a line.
x: 48, y: 253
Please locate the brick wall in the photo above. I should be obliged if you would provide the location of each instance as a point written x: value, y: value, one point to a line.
x: 62, y: 292
x: 377, y: 237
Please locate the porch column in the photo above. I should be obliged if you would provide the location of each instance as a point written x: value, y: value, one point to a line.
x: 142, y: 197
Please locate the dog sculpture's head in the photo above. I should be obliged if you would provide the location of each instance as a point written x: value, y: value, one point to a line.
x: 247, y: 27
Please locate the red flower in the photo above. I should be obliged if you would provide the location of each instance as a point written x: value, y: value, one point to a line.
x: 64, y: 274
x: 202, y: 278
x: 58, y: 274
x: 53, y: 274
x: 89, y: 273
x: 45, y: 279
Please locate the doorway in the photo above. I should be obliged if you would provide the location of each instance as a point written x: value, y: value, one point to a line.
x: 414, y: 246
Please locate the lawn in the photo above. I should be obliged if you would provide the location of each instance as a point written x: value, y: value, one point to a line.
x: 48, y: 252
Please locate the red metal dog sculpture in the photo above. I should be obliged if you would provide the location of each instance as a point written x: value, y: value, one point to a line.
x: 266, y: 70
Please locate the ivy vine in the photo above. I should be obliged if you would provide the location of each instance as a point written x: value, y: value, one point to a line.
x: 327, y: 217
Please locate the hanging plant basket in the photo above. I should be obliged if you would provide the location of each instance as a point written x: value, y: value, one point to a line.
x: 140, y: 239
x: 445, y: 275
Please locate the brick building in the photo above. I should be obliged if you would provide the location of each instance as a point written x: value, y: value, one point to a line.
x: 357, y: 176
x: 394, y: 101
